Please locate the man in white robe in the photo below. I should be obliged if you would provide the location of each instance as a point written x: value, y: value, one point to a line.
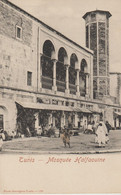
x: 101, y: 134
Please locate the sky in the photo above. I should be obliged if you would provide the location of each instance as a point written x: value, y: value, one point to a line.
x: 65, y: 16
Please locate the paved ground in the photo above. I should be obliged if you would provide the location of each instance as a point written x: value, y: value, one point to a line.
x: 84, y: 143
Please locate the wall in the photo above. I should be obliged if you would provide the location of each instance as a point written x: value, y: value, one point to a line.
x: 17, y: 56
x: 113, y: 85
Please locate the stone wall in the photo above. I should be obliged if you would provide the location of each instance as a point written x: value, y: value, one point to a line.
x: 9, y: 18
x: 17, y: 56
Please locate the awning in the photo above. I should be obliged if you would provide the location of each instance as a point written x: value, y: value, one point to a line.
x: 117, y: 113
x: 95, y: 112
x: 41, y: 106
x: 83, y: 110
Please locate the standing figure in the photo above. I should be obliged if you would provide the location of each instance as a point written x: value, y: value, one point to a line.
x: 108, y: 126
x: 101, y: 133
x: 65, y: 136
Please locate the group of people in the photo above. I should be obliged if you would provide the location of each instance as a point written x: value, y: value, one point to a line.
x: 101, y: 131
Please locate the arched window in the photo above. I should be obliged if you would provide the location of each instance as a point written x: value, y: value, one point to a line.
x: 72, y: 74
x: 47, y: 64
x: 82, y: 77
x: 72, y: 71
x: 60, y: 69
x: 83, y: 66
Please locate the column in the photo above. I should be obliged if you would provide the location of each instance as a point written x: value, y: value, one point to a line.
x: 62, y: 119
x: 50, y: 119
x: 77, y: 84
x: 54, y: 87
x: 53, y: 121
x: 67, y: 79
x: 87, y: 85
x: 38, y: 60
x: 36, y: 120
x: 40, y: 71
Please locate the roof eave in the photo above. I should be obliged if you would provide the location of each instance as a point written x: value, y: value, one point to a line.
x: 107, y: 12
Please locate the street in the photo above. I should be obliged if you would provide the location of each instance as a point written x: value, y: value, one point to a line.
x: 84, y: 143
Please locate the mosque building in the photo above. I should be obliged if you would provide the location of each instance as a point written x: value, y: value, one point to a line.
x: 47, y: 78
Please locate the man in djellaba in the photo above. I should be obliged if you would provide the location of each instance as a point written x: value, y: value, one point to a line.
x: 101, y: 134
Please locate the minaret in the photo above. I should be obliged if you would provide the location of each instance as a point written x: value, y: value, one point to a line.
x: 97, y: 39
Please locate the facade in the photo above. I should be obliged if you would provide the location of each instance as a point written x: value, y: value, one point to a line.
x: 45, y: 77
x: 97, y: 39
x: 115, y: 86
x: 115, y: 92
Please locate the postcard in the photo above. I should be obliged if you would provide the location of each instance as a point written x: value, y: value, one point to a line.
x: 60, y: 97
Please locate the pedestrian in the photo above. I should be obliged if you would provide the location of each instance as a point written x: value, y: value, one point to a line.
x: 65, y: 136
x: 106, y: 131
x: 85, y: 126
x: 108, y: 126
x: 94, y: 126
x: 101, y: 133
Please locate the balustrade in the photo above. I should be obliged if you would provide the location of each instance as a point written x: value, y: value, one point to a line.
x: 61, y: 86
x: 72, y: 89
x: 47, y: 82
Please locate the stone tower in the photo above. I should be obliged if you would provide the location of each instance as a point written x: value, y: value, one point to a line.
x: 97, y: 39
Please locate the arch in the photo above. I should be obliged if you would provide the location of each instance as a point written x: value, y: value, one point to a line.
x: 48, y: 48
x: 60, y: 69
x: 3, y: 116
x: 73, y: 60
x: 72, y: 73
x: 82, y: 77
x: 62, y: 55
x: 83, y: 66
x: 47, y: 64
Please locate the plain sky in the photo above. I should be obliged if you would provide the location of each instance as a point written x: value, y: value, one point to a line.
x: 66, y: 17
